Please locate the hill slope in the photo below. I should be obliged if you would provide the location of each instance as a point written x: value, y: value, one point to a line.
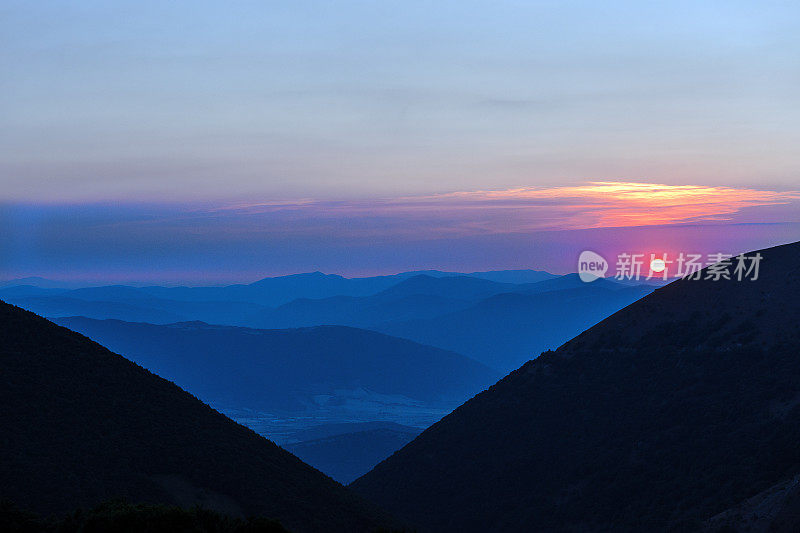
x: 505, y: 330
x: 667, y: 413
x: 362, y: 312
x: 236, y: 367
x: 81, y: 424
x: 303, y: 299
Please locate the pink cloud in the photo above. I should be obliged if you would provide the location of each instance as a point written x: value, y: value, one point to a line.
x: 599, y: 204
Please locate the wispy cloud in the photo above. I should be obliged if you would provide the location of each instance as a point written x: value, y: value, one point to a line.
x: 597, y: 204
x: 527, y: 227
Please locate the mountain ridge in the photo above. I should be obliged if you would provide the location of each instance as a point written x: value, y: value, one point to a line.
x: 82, y: 425
x: 668, y: 412
x: 286, y: 369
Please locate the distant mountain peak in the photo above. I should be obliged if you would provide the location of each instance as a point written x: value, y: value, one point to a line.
x: 299, y: 276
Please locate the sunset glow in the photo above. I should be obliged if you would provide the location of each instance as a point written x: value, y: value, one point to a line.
x: 601, y: 204
x: 597, y: 204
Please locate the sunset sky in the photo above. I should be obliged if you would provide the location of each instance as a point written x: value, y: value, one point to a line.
x: 206, y: 142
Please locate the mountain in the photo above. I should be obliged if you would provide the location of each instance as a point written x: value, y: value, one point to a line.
x: 36, y: 281
x: 59, y: 306
x: 364, y: 312
x: 259, y: 295
x: 569, y: 281
x: 283, y: 289
x: 421, y: 296
x: 676, y: 409
x: 127, y: 303
x: 461, y: 287
x: 499, y: 324
x: 776, y: 509
x: 25, y: 291
x: 290, y: 370
x: 317, y: 285
x: 119, y: 516
x: 513, y: 276
x: 110, y: 292
x: 347, y: 456
x: 279, y: 290
x: 302, y: 299
x: 505, y: 330
x: 81, y: 425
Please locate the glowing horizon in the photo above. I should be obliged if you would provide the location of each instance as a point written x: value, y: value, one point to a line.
x: 595, y: 204
x: 532, y: 227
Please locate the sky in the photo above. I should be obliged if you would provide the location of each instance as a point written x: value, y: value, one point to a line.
x: 210, y: 142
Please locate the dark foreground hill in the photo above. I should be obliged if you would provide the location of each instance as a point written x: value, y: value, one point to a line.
x: 123, y: 517
x: 675, y: 409
x: 289, y: 370
x: 80, y: 425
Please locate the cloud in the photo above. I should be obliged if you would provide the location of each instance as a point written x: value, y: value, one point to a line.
x: 526, y: 227
x: 597, y: 204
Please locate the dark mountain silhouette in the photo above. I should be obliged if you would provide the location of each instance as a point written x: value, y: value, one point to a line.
x: 124, y: 517
x: 289, y: 370
x: 774, y: 510
x: 347, y: 456
x: 81, y: 424
x: 505, y: 330
x: 675, y: 409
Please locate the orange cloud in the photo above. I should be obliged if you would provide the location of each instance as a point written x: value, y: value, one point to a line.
x: 597, y: 204
x: 621, y: 204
